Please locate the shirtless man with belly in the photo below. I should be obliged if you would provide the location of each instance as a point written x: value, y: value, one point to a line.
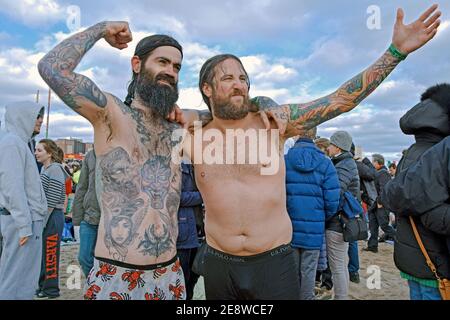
x: 248, y: 230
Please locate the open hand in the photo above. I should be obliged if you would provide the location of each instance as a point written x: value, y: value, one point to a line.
x: 409, y: 38
x: 118, y: 34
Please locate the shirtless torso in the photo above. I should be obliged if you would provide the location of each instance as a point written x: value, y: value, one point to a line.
x: 245, y: 209
x: 138, y: 186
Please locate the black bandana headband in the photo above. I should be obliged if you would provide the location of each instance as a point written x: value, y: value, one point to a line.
x: 145, y: 46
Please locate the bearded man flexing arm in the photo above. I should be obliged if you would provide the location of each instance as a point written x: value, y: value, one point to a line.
x: 138, y: 186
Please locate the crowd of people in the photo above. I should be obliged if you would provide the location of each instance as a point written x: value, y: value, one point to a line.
x: 153, y: 216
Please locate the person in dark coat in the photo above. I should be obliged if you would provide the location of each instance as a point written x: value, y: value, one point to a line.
x: 312, y: 188
x: 378, y: 215
x: 421, y: 190
x: 345, y: 165
x: 187, y: 241
x: 367, y: 173
x: 368, y: 194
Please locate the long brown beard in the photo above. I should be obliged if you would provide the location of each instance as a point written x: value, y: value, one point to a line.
x: 225, y: 110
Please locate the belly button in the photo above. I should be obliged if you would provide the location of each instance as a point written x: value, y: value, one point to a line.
x: 202, y: 174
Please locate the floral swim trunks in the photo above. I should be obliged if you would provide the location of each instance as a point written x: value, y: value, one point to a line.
x: 112, y: 280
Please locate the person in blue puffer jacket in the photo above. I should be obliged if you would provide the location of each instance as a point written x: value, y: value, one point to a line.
x: 312, y: 188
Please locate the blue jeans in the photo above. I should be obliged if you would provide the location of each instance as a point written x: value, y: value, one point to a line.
x: 418, y: 291
x: 88, y: 239
x: 307, y: 272
x: 353, y: 257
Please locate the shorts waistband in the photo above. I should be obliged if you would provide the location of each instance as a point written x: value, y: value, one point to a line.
x: 245, y: 259
x: 138, y: 267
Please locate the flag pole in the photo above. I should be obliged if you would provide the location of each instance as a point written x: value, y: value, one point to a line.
x: 48, y: 112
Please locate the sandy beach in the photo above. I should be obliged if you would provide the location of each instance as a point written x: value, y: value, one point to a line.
x: 391, y: 285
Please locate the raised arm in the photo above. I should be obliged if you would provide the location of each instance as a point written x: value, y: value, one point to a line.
x: 406, y: 39
x: 57, y: 67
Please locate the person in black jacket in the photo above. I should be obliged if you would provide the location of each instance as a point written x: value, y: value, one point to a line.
x: 421, y: 190
x: 367, y: 173
x: 378, y: 215
x: 339, y: 150
x: 368, y: 193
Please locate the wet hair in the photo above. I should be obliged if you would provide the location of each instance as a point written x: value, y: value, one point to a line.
x: 208, y: 71
x: 52, y: 148
x: 143, y: 50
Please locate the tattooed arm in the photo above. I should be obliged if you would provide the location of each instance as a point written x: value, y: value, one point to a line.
x: 298, y: 118
x: 57, y: 67
x: 302, y: 117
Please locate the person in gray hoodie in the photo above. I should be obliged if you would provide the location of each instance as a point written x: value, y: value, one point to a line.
x: 23, y: 206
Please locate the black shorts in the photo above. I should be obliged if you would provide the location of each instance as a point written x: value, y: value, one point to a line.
x: 272, y: 275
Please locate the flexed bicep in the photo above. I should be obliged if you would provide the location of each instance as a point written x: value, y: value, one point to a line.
x: 76, y: 90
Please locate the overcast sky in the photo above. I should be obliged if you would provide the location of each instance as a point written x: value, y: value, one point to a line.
x: 294, y: 51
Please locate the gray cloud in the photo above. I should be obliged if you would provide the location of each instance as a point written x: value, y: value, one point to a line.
x: 324, y: 43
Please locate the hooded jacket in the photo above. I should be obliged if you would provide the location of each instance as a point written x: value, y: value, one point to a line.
x: 429, y: 123
x: 312, y: 188
x: 21, y: 191
x: 348, y: 181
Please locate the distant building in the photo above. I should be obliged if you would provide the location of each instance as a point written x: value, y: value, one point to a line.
x: 71, y: 146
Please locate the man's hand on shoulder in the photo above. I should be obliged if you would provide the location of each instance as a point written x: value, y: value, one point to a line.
x: 270, y: 110
x: 178, y: 116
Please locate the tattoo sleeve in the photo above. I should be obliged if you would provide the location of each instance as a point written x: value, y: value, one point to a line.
x: 262, y: 103
x: 57, y: 69
x: 303, y: 117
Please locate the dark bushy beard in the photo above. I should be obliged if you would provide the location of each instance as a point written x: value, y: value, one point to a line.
x: 224, y: 109
x: 158, y: 97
